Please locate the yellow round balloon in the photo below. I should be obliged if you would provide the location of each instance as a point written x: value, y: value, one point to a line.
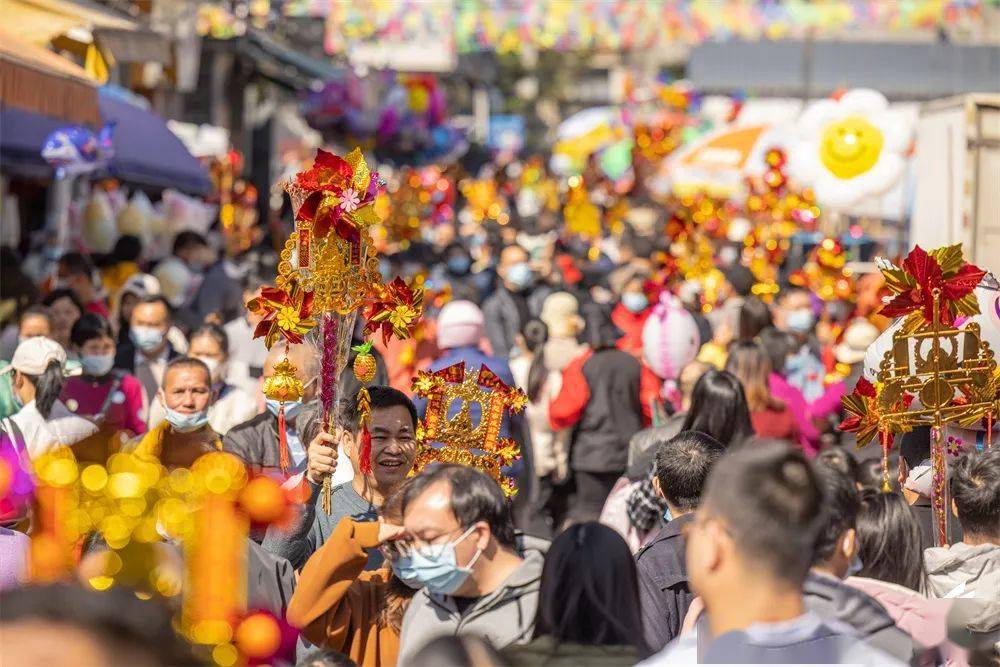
x: 850, y: 147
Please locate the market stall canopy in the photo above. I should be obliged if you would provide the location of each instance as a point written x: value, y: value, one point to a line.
x: 36, y: 80
x: 40, y: 21
x: 147, y: 152
x: 716, y: 164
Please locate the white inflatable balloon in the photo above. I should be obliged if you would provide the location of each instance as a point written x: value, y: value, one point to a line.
x: 670, y: 338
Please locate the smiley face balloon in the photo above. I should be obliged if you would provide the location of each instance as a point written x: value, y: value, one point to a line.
x: 850, y: 147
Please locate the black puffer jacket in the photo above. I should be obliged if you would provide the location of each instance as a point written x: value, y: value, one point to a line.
x: 600, y: 400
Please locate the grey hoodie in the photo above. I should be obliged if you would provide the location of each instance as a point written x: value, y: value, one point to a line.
x: 965, y: 571
x: 833, y: 600
x: 504, y: 617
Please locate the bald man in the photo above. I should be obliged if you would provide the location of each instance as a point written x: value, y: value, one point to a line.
x: 257, y: 441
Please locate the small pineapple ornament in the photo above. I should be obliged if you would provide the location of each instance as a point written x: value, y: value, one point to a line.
x: 364, y: 363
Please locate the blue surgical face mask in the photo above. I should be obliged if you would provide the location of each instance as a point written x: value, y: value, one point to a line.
x: 520, y: 275
x: 459, y: 265
x: 146, y: 339
x: 635, y: 302
x: 186, y: 423
x: 667, y: 516
x: 407, y: 577
x: 855, y: 567
x: 292, y: 408
x: 97, y: 365
x: 435, y: 567
x: 801, y: 320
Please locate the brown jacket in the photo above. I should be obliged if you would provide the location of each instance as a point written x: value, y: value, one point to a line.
x: 337, y: 602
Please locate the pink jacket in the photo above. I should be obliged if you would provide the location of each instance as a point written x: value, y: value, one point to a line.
x: 924, y: 619
x: 796, y: 402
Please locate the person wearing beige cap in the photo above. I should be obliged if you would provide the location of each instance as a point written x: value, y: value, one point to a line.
x: 43, y: 422
x: 561, y: 314
x: 859, y: 335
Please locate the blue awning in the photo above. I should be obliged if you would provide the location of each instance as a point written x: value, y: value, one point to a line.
x: 147, y: 153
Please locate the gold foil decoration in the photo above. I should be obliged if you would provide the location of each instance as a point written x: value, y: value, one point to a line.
x: 462, y: 441
x: 952, y: 373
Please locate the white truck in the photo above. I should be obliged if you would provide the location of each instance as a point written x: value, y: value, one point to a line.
x: 958, y: 178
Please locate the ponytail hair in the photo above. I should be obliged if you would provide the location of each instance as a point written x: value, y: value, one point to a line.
x: 536, y: 334
x: 48, y: 386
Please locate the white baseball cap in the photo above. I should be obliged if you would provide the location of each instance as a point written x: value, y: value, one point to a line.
x: 34, y: 355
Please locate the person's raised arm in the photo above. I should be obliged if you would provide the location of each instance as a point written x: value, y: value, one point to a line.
x: 297, y: 542
x: 322, y: 606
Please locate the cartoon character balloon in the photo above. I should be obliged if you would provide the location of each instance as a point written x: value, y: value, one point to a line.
x: 77, y: 150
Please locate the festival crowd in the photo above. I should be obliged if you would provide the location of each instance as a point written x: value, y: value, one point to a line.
x: 683, y: 495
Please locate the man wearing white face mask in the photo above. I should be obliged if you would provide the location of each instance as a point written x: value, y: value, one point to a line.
x: 260, y: 441
x: 146, y: 353
x: 185, y: 434
x: 461, y: 553
x: 514, y: 301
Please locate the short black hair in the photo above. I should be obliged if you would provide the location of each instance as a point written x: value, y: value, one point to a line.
x: 155, y: 298
x: 77, y: 263
x: 682, y: 465
x: 841, y: 461
x: 128, y: 248
x: 63, y: 293
x: 381, y: 397
x: 778, y: 344
x: 841, y: 504
x: 975, y: 488
x: 117, y: 620
x: 474, y: 497
x: 215, y: 332
x: 770, y: 500
x: 741, y: 278
x: 755, y: 316
x: 88, y: 327
x: 187, y: 239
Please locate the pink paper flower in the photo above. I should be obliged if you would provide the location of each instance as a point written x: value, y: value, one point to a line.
x: 350, y: 200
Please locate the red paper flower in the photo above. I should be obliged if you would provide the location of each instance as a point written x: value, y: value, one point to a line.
x: 922, y: 274
x: 329, y: 173
x: 286, y: 314
x: 863, y: 418
x: 396, y: 311
x: 327, y: 181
